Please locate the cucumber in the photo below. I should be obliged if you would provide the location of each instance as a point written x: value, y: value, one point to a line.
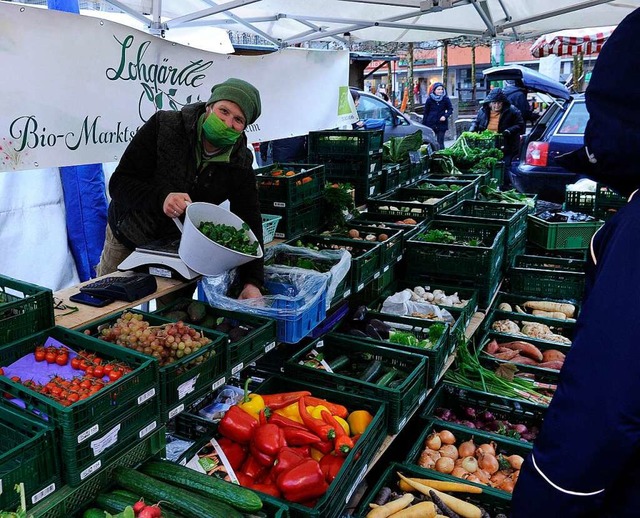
x: 237, y: 496
x: 387, y: 378
x: 94, y: 512
x: 184, y: 502
x: 371, y: 371
x: 339, y: 362
x: 116, y: 502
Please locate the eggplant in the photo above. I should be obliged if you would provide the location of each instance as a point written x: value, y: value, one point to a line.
x: 382, y: 328
x: 358, y: 333
x: 360, y: 313
x: 372, y: 332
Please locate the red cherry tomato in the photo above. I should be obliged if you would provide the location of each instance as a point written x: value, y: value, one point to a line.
x: 108, y: 368
x: 98, y: 371
x: 115, y: 375
x: 51, y: 357
x: 39, y: 355
x: 75, y: 363
x: 1, y: 371
x: 62, y: 359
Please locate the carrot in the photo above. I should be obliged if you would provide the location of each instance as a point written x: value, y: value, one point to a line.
x: 421, y: 510
x: 383, y: 511
x: 454, y: 487
x: 525, y: 349
x: 464, y: 509
x: 545, y: 305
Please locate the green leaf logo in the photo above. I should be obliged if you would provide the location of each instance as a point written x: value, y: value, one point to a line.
x: 344, y: 108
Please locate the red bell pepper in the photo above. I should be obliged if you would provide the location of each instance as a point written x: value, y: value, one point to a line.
x: 261, y: 458
x: 243, y: 479
x: 317, y: 426
x: 343, y: 443
x: 330, y: 466
x: 305, y: 451
x: 297, y: 437
x: 324, y: 447
x: 253, y: 469
x: 268, y: 439
x: 235, y: 452
x: 270, y: 488
x: 283, y: 421
x: 287, y: 459
x: 334, y: 408
x: 302, y: 483
x: 283, y: 399
x: 237, y: 425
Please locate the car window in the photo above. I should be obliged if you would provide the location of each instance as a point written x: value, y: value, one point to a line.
x: 575, y: 120
x: 370, y: 108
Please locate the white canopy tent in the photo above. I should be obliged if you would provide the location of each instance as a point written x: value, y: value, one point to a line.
x: 295, y: 22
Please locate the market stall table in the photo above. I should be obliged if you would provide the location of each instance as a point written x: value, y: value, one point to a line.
x: 87, y: 314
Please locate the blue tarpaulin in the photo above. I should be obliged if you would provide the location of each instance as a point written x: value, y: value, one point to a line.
x: 84, y: 198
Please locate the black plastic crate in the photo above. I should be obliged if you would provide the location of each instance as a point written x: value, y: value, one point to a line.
x: 341, y: 168
x: 412, y: 203
x: 390, y: 240
x: 373, y: 219
x: 564, y: 328
x: 608, y: 198
x: 363, y: 186
x: 516, y: 301
x: 346, y: 142
x: 298, y: 221
x: 552, y: 277
x: 579, y: 201
x: 482, y: 263
x: 401, y: 400
x: 391, y: 177
x: 289, y: 185
x: 24, y: 309
x: 464, y: 189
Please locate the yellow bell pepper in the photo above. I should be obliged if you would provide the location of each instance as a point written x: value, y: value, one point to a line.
x: 252, y: 404
x: 344, y: 424
x: 358, y: 421
x: 315, y: 454
x: 292, y: 412
x: 316, y: 411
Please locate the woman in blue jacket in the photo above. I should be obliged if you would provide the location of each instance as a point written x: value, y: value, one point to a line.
x: 437, y: 111
x: 585, y: 461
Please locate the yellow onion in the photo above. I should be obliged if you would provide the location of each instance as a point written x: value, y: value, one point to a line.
x: 447, y: 437
x: 459, y: 472
x: 433, y: 442
x: 488, y: 463
x: 449, y: 450
x: 470, y: 464
x: 444, y: 465
x: 467, y: 448
x: 489, y: 448
x: 515, y: 461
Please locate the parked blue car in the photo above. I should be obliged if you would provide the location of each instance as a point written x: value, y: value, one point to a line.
x: 559, y: 130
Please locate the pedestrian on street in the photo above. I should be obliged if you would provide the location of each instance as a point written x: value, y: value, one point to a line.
x: 437, y: 110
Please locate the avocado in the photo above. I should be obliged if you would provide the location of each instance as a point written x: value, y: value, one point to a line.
x: 209, y: 322
x: 197, y: 311
x: 176, y: 315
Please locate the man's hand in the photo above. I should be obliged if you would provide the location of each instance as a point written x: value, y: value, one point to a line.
x: 250, y: 291
x: 175, y: 204
x: 443, y: 118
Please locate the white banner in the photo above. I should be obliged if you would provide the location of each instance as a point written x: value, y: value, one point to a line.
x: 75, y: 89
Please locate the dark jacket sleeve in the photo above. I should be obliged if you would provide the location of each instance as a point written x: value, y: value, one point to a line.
x: 515, y: 123
x: 426, y: 111
x: 132, y: 183
x: 480, y: 124
x: 591, y: 432
x: 448, y: 107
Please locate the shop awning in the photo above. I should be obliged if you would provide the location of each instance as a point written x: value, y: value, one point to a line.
x: 571, y: 43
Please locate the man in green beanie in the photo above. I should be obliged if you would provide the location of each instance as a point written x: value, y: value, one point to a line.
x: 177, y: 157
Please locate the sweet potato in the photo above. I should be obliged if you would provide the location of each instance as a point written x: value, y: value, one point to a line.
x: 554, y: 365
x: 551, y: 355
x: 523, y: 360
x: 525, y: 349
x: 543, y: 305
x: 492, y: 347
x: 504, y: 354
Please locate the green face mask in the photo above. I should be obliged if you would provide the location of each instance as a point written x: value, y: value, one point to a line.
x: 218, y: 133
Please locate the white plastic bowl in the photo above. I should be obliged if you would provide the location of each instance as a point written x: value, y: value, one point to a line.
x: 200, y: 253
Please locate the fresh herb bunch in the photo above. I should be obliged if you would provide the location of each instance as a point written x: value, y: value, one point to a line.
x: 446, y: 237
x: 492, y: 193
x: 338, y: 205
x: 230, y: 237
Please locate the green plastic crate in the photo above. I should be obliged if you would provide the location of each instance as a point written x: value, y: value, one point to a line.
x: 608, y: 198
x: 437, y: 355
x: 364, y: 187
x: 290, y: 191
x: 462, y: 434
x: 514, y: 250
x: 341, y: 168
x: 401, y: 400
x: 180, y: 382
x: 580, y: 255
x: 579, y: 201
x: 464, y: 189
x: 356, y: 463
x: 391, y: 177
x: 375, y: 288
x: 391, y: 248
x: 554, y: 236
x: 365, y: 256
x: 490, y: 500
x: 376, y: 219
x: 511, y: 215
x: 408, y: 203
x: 405, y: 174
x: 96, y: 429
x: 70, y: 501
x: 564, y: 328
x: 298, y: 221
x: 482, y: 263
x: 457, y: 400
x: 28, y: 454
x: 552, y: 277
x: 259, y: 339
x: 346, y: 142
x: 24, y: 309
x: 518, y: 300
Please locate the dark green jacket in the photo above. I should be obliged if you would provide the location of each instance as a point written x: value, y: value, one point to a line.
x: 161, y: 159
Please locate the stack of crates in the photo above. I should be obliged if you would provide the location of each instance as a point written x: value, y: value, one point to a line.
x: 579, y: 201
x: 350, y: 156
x: 293, y: 192
x: 607, y: 202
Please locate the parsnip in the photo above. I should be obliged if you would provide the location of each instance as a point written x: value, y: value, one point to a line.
x: 442, y: 485
x: 421, y: 510
x: 544, y: 305
x: 549, y: 314
x: 383, y: 511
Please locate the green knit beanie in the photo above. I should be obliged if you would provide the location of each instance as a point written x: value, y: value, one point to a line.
x: 240, y: 92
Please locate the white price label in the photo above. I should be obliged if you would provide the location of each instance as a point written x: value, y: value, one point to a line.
x: 399, y: 258
x: 402, y: 423
x: 45, y: 492
x: 148, y: 429
x: 269, y: 347
x: 385, y: 269
x: 109, y: 439
x: 90, y: 470
x: 237, y: 368
x: 176, y: 411
x: 376, y: 275
x: 346, y: 294
x: 279, y: 204
x: 88, y: 433
x: 187, y: 387
x: 360, y: 286
x: 146, y: 396
x: 218, y: 384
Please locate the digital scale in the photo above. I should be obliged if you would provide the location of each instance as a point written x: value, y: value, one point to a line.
x: 159, y: 258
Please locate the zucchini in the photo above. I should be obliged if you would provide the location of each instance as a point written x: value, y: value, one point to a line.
x: 371, y: 371
x: 387, y: 378
x: 184, y: 502
x: 237, y: 496
x: 339, y: 362
x: 117, y: 501
x: 94, y: 512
